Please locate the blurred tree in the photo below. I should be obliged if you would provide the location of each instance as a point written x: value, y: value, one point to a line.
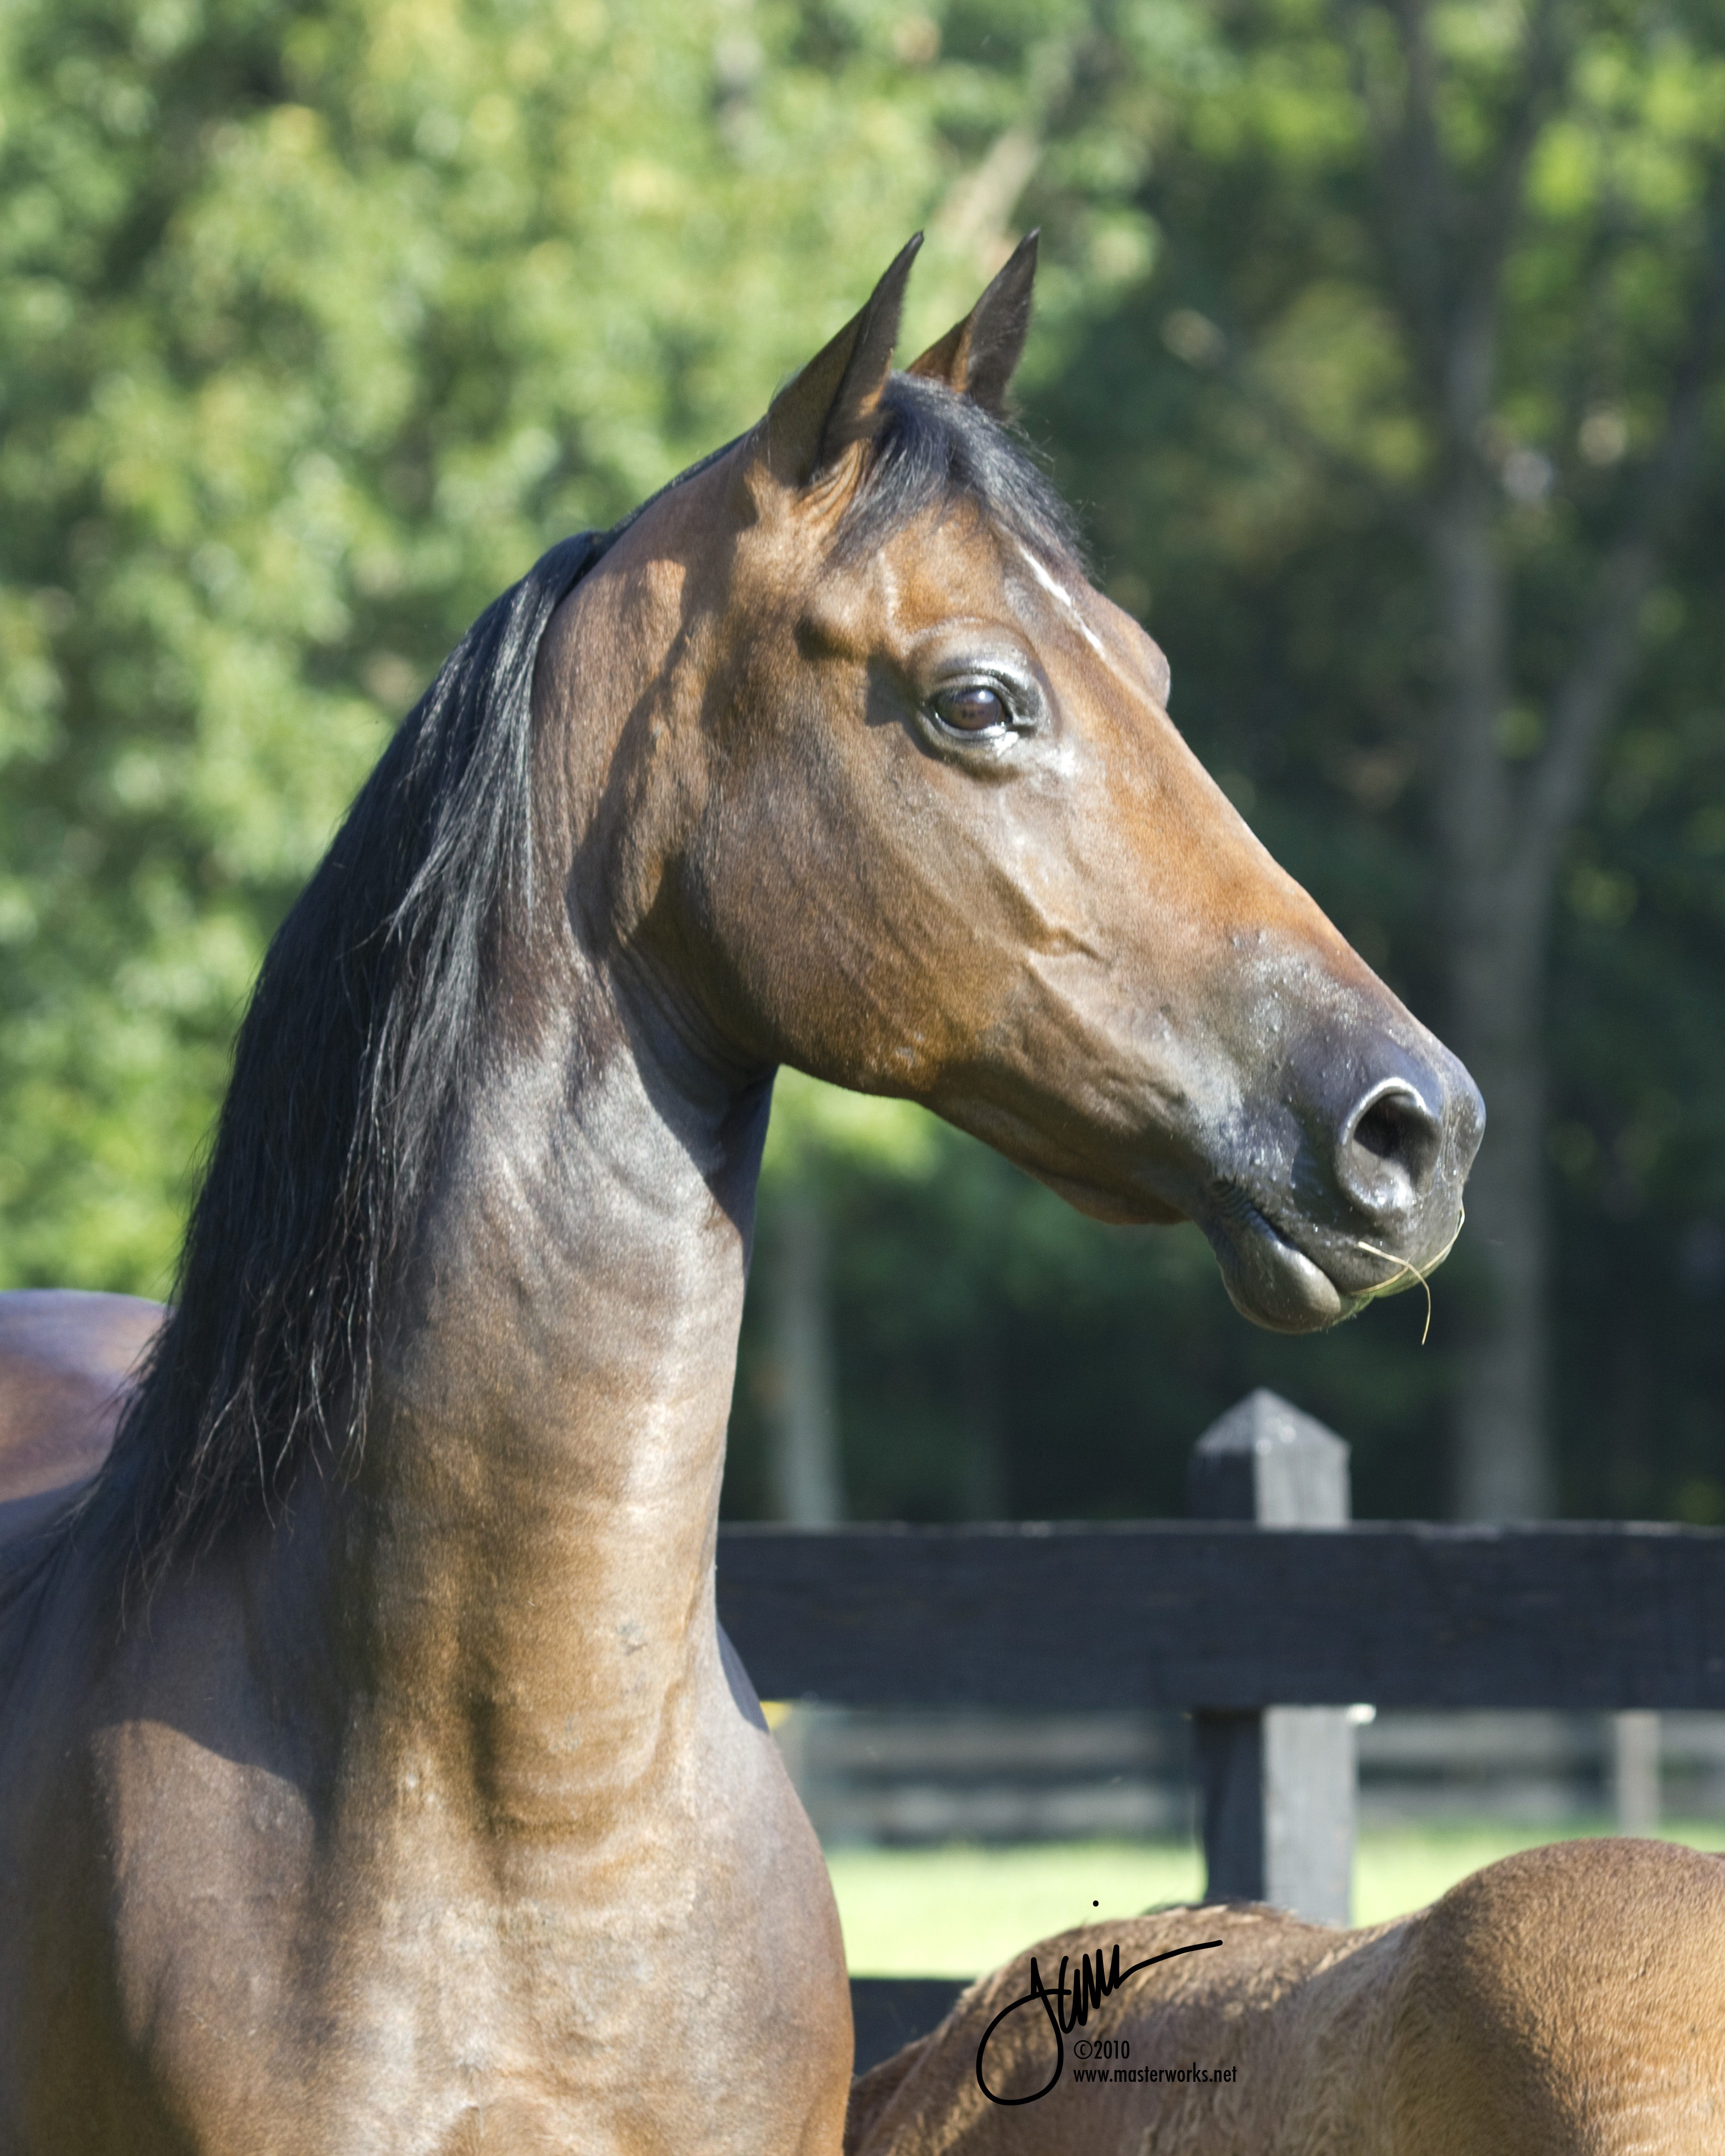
x: 1445, y: 285
x: 1637, y: 1136
x: 315, y: 326
x: 819, y: 1139
x: 999, y: 1356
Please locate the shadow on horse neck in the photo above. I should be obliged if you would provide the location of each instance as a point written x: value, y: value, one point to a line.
x: 829, y: 757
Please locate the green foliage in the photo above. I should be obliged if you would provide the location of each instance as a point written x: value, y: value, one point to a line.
x: 818, y: 1133
x: 315, y: 327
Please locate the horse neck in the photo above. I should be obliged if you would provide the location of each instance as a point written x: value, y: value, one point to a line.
x: 526, y: 1571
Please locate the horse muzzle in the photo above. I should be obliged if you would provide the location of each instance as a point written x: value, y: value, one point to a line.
x: 1350, y: 1186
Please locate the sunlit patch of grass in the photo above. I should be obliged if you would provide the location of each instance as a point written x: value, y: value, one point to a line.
x: 1396, y: 1869
x: 959, y: 1910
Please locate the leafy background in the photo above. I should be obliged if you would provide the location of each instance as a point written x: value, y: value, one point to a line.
x: 318, y: 323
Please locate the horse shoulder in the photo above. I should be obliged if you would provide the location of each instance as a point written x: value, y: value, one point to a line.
x: 66, y: 1361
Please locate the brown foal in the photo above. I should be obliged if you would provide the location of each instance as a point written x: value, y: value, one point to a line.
x: 374, y: 1774
x: 1567, y: 2002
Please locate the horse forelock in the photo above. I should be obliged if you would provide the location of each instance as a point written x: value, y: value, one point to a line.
x: 932, y: 447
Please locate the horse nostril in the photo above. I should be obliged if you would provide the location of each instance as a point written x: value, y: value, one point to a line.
x: 1388, y: 1148
x: 1380, y: 1129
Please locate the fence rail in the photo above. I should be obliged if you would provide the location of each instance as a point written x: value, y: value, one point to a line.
x: 1228, y: 1614
x: 1266, y: 1616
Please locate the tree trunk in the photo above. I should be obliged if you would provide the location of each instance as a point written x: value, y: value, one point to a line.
x: 1502, y: 826
x: 1503, y: 1467
x: 1497, y: 932
x: 808, y: 1485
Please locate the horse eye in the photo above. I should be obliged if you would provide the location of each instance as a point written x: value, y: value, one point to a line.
x: 974, y: 709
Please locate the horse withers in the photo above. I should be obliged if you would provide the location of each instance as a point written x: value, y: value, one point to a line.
x: 374, y: 1774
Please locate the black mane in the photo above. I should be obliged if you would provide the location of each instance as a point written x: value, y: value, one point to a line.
x: 355, y: 1046
x: 362, y: 1032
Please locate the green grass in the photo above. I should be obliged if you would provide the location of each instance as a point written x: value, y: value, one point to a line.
x: 1396, y: 1869
x: 961, y: 1909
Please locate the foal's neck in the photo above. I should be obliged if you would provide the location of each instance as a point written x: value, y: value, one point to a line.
x: 540, y: 1494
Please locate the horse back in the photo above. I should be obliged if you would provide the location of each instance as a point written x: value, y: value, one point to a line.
x: 1570, y: 1999
x: 66, y: 1360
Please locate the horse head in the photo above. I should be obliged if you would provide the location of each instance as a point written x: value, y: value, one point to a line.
x: 908, y: 812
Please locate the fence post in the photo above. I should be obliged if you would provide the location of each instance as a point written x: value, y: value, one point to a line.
x: 1278, y: 1786
x: 1635, y: 1746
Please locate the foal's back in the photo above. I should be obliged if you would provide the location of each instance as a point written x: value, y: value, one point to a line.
x: 1569, y: 2001
x: 65, y: 1358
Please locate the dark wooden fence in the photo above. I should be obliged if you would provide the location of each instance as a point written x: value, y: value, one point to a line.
x: 1237, y: 1620
x: 1172, y: 1613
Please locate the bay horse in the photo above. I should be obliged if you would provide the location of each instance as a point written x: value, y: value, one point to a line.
x: 1569, y: 2001
x: 374, y: 1774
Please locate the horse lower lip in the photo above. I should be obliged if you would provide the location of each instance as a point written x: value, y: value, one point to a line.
x: 1271, y: 1280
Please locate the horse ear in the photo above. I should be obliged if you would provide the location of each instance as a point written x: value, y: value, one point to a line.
x: 834, y: 400
x: 976, y: 357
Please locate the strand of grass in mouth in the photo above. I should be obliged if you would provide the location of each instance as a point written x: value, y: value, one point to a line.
x: 1403, y: 1268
